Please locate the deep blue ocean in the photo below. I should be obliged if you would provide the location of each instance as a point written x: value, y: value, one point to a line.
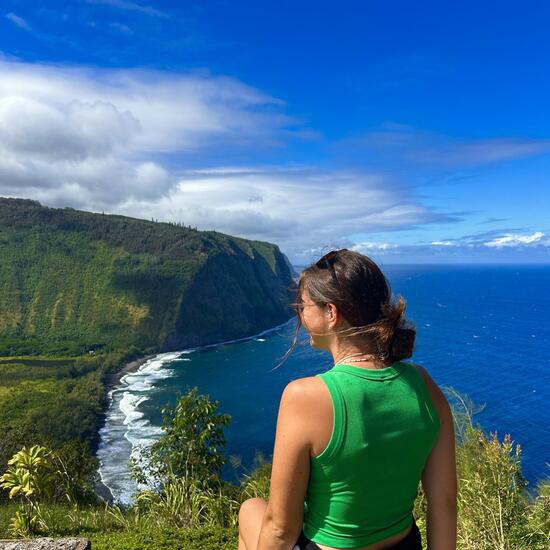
x: 482, y: 330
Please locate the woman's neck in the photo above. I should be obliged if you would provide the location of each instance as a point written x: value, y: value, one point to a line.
x: 359, y: 358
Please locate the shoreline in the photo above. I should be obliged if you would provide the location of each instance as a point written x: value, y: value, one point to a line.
x: 112, y: 383
x: 131, y: 366
x: 115, y: 378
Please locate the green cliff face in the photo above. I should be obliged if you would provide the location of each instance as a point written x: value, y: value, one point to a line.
x: 72, y: 281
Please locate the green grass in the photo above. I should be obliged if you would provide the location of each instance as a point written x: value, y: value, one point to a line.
x: 36, y: 361
x: 167, y: 539
x: 106, y: 533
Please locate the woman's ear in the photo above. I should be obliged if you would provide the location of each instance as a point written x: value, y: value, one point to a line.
x: 332, y: 313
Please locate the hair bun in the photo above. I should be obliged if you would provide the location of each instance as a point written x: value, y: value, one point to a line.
x: 402, y: 343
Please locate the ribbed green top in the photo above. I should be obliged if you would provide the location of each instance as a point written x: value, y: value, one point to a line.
x: 363, y: 485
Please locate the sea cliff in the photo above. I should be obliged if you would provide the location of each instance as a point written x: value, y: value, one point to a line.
x: 73, y: 281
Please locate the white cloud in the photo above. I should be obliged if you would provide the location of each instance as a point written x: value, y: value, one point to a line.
x: 73, y: 131
x: 442, y: 243
x: 419, y: 147
x: 130, y: 6
x: 94, y: 139
x: 300, y: 210
x: 368, y: 246
x: 18, y: 21
x: 176, y: 111
x: 92, y: 135
x: 514, y: 239
x: 91, y: 184
x: 452, y: 153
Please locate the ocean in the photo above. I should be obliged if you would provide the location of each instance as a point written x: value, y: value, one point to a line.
x: 482, y: 330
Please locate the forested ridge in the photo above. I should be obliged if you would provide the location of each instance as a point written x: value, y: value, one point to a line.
x: 74, y: 281
x: 81, y: 293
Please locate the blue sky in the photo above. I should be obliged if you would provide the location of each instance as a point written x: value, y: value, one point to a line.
x: 413, y: 132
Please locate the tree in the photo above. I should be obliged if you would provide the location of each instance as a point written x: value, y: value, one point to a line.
x: 190, y: 447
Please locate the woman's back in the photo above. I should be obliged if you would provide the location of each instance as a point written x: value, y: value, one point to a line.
x: 369, y: 452
x: 353, y: 443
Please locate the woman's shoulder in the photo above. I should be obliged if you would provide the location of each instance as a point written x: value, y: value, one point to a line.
x: 312, y: 408
x: 308, y: 386
x: 438, y: 397
x: 312, y: 394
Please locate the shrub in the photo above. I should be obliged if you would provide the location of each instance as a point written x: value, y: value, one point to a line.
x: 186, y: 503
x: 255, y: 484
x: 191, y: 445
x: 492, y: 503
x: 537, y: 535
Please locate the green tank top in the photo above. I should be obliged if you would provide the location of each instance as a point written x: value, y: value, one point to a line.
x: 362, y: 487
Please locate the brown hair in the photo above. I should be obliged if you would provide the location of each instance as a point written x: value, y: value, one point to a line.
x: 358, y: 288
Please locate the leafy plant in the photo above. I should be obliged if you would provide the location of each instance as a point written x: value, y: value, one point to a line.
x: 28, y: 477
x: 492, y: 503
x: 537, y: 535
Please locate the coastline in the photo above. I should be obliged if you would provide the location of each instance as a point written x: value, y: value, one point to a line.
x: 110, y: 384
x: 114, y: 381
x: 115, y: 378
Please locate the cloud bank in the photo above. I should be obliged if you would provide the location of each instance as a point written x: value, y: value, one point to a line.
x: 492, y: 246
x: 122, y: 141
x: 89, y: 137
x: 298, y: 209
x: 117, y: 140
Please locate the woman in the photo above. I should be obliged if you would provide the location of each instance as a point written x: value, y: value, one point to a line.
x: 353, y: 443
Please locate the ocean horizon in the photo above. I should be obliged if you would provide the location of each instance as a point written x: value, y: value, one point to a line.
x: 482, y: 329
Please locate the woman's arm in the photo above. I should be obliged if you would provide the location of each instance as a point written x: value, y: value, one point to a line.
x: 283, y: 517
x: 439, y: 475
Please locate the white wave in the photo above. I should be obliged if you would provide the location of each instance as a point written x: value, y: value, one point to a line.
x: 128, y: 406
x: 126, y: 429
x: 245, y: 338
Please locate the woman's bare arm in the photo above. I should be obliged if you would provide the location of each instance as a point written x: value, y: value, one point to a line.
x: 439, y: 475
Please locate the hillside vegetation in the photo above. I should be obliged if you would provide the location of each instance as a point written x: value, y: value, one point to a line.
x: 75, y: 281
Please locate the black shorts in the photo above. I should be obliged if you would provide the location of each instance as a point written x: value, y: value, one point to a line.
x: 413, y: 541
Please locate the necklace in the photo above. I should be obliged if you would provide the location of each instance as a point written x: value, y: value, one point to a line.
x: 365, y: 356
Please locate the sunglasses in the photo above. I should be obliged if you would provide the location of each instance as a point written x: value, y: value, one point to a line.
x: 327, y: 262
